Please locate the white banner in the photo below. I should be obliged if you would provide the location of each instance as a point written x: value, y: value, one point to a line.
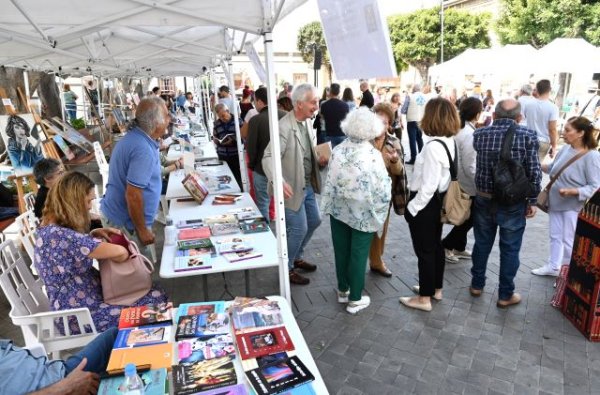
x: 358, y: 39
x: 256, y: 63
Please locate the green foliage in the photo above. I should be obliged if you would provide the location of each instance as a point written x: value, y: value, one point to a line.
x: 538, y: 22
x: 78, y: 123
x: 416, y: 37
x: 312, y: 33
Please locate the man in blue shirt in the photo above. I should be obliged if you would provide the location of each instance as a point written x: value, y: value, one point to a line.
x: 134, y: 179
x: 488, y: 215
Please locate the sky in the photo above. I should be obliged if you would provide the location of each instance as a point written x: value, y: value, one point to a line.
x: 286, y: 30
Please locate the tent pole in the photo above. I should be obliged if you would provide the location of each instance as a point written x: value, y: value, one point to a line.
x: 61, y: 84
x: 26, y: 81
x: 236, y: 117
x: 284, y: 278
x: 206, y: 104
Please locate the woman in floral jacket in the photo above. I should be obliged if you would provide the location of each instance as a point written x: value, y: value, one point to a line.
x: 356, y: 196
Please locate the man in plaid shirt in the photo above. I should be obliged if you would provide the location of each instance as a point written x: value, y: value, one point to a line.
x: 488, y: 215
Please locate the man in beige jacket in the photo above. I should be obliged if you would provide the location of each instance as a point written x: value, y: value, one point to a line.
x: 301, y: 178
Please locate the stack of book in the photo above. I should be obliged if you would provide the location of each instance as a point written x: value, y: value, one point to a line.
x: 194, y: 254
x: 237, y: 248
x: 205, y: 351
x: 266, y: 349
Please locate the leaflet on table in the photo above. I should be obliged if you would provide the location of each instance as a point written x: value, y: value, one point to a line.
x: 205, y: 347
x: 201, y: 325
x: 143, y: 336
x: 200, y: 308
x: 154, y: 380
x: 263, y: 342
x: 145, y: 315
x: 279, y: 375
x: 191, y: 378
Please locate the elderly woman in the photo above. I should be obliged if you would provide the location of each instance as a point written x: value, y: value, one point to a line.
x: 357, y: 197
x: 64, y: 252
x: 392, y: 154
x: 47, y: 172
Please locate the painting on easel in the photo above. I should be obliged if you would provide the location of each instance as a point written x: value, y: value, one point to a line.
x: 23, y: 139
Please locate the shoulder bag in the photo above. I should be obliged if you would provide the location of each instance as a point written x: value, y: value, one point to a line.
x: 543, y: 199
x: 126, y: 282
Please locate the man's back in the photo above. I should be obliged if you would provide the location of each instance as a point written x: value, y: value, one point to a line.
x: 416, y: 107
x: 538, y: 113
x: 527, y: 103
x: 334, y: 111
x: 258, y: 138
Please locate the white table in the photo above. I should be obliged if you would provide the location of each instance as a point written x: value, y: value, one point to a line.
x: 264, y: 242
x: 176, y: 190
x: 205, y: 150
x: 301, y: 348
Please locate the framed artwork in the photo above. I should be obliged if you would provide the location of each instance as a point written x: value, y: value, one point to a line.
x: 23, y: 140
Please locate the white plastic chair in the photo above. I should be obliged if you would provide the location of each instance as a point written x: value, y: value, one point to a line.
x: 27, y: 224
x: 30, y: 308
x: 102, y: 165
x: 29, y: 201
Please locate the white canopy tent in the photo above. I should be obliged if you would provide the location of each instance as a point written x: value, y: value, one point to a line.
x: 136, y: 38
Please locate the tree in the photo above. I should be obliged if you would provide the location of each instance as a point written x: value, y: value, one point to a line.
x: 309, y: 34
x: 538, y: 22
x: 416, y: 37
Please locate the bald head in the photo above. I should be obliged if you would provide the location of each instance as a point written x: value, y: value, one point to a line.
x: 508, y: 108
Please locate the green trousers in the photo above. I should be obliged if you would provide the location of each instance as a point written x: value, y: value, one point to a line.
x: 351, y: 249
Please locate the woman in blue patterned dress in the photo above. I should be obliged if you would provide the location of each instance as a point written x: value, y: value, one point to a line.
x: 64, y: 252
x: 356, y: 196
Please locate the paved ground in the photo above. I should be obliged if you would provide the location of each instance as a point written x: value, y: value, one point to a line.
x: 464, y: 346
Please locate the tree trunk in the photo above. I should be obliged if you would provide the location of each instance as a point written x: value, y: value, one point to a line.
x: 11, y: 78
x: 48, y: 92
x: 423, y: 69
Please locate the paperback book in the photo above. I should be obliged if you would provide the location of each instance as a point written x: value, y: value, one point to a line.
x: 249, y: 314
x: 255, y: 225
x: 157, y: 355
x: 191, y: 378
x: 194, y: 185
x: 199, y: 325
x: 200, y: 308
x: 224, y: 199
x: 234, y: 244
x: 143, y: 336
x: 221, y: 219
x: 238, y: 389
x: 194, y: 232
x: 199, y: 246
x: 206, y: 347
x: 192, y: 262
x: 279, y: 376
x: 154, y: 380
x: 225, y: 228
x: 263, y: 342
x: 241, y: 255
x: 145, y: 315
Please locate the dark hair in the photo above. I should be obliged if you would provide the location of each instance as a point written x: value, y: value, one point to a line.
x: 155, y: 89
x: 14, y: 120
x: 348, y: 95
x: 285, y: 103
x: 440, y: 118
x: 468, y: 109
x: 44, y: 168
x: 582, y: 124
x: 511, y: 113
x: 261, y: 94
x: 543, y: 87
x: 334, y: 89
x: 224, y: 88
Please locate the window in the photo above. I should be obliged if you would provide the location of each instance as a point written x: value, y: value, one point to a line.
x: 167, y: 85
x: 300, y: 78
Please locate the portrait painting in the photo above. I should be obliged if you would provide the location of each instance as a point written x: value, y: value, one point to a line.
x: 23, y: 140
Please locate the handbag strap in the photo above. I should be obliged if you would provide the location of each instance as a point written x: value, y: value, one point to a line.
x: 569, y: 162
x: 134, y: 252
x: 508, y: 142
x: 453, y: 170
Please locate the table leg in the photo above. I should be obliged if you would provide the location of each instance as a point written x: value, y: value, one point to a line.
x: 205, y: 286
x: 247, y: 278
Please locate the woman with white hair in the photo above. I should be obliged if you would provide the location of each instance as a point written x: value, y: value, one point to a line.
x: 356, y: 196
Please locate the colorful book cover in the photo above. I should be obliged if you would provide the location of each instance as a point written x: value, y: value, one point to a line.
x: 263, y: 342
x: 195, y: 248
x: 205, y: 347
x: 194, y: 185
x: 200, y: 308
x: 279, y: 376
x: 132, y: 317
x: 143, y: 336
x: 191, y: 378
x: 254, y: 225
x: 201, y: 232
x: 221, y: 229
x: 199, y: 243
x: 241, y: 255
x: 192, y: 262
x: 154, y: 383
x: 234, y: 244
x: 255, y: 313
x: 157, y: 355
x: 199, y: 325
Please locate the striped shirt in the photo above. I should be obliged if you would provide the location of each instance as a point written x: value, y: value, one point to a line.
x: 487, y: 142
x: 223, y: 129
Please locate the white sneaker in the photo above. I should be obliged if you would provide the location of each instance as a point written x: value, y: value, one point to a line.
x: 342, y: 297
x: 356, y: 306
x: 466, y: 254
x: 450, y: 257
x: 546, y: 270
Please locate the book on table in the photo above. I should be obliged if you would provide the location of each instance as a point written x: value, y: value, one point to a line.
x: 277, y: 374
x: 194, y: 377
x: 220, y: 219
x: 197, y: 246
x: 202, y: 325
x: 157, y: 355
x: 234, y: 244
x: 238, y: 389
x: 224, y: 228
x: 254, y: 225
x: 195, y: 186
x: 200, y: 308
x: 188, y: 262
x: 238, y: 256
x: 143, y: 336
x: 205, y: 347
x: 263, y: 342
x: 154, y: 380
x: 145, y: 315
x: 250, y: 314
x: 226, y: 198
x: 194, y: 232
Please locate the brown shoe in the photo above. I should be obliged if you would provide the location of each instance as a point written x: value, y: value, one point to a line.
x: 297, y: 279
x: 302, y: 264
x: 514, y: 299
x: 475, y: 292
x: 385, y: 272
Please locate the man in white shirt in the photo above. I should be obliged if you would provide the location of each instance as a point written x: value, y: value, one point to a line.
x: 526, y: 101
x: 542, y: 116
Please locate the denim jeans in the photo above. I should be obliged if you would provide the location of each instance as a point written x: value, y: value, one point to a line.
x: 415, y: 139
x: 487, y: 218
x: 97, y: 353
x: 335, y: 140
x: 261, y: 194
x: 300, y: 225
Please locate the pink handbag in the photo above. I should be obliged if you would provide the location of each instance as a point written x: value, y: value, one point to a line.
x: 126, y: 282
